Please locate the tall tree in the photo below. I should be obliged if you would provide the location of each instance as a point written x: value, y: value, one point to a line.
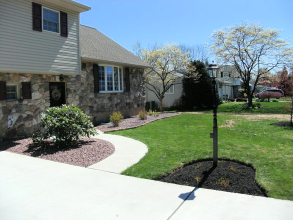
x: 285, y: 81
x: 197, y: 87
x: 251, y: 49
x: 196, y: 52
x: 165, y: 62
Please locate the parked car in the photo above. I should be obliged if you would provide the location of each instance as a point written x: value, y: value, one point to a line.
x: 269, y: 90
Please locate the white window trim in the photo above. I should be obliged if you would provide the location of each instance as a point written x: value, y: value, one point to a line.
x: 17, y: 92
x: 106, y: 82
x: 43, y: 20
x: 168, y: 91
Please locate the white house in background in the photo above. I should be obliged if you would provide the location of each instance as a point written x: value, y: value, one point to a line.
x: 228, y: 82
x: 172, y: 96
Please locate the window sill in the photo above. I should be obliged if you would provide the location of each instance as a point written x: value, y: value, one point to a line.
x: 14, y: 100
x: 111, y: 91
x: 51, y: 32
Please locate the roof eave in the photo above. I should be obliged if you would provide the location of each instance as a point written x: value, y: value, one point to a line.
x: 89, y: 59
x: 72, y: 5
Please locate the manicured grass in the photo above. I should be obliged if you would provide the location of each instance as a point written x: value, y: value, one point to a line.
x: 268, y: 108
x: 177, y: 140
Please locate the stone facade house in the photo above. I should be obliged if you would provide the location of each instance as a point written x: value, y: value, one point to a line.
x: 48, y: 59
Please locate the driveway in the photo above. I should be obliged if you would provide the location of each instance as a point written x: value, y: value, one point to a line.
x: 33, y: 188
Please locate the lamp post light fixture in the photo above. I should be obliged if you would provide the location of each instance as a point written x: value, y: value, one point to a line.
x: 213, y: 70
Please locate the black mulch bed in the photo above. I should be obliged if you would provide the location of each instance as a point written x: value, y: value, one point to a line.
x: 229, y: 176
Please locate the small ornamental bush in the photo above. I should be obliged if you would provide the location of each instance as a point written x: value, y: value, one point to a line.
x: 142, y: 115
x: 254, y: 106
x: 268, y: 95
x: 241, y: 99
x: 154, y: 113
x: 116, y: 118
x: 64, y: 124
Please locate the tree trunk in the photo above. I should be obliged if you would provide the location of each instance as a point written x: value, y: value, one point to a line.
x: 291, y: 121
x: 249, y: 100
x: 161, y: 105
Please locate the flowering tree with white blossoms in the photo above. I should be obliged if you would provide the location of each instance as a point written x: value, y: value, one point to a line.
x: 165, y: 61
x: 253, y: 50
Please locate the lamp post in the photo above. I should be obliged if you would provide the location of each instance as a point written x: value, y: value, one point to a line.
x: 213, y: 72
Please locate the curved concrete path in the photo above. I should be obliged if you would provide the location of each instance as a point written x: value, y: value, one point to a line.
x: 127, y: 153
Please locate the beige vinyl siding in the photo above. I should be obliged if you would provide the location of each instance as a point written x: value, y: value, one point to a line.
x: 169, y: 99
x: 23, y: 50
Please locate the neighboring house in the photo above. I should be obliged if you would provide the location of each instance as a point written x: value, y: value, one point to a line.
x: 228, y: 82
x: 48, y: 59
x: 172, y: 96
x: 228, y: 85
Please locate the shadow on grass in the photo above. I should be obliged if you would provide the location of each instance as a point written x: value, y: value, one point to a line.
x: 285, y: 124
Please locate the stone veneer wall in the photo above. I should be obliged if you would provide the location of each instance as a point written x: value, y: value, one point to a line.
x: 79, y: 92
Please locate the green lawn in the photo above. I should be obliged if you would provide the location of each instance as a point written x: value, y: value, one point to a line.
x: 268, y: 108
x: 177, y: 140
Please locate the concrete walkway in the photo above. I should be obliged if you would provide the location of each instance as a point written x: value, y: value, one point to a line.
x: 33, y: 188
x: 127, y: 153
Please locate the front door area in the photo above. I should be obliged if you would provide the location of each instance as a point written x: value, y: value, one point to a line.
x: 57, y: 93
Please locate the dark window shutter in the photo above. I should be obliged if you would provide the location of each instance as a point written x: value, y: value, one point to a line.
x: 127, y: 80
x: 96, y: 78
x: 26, y: 90
x: 222, y: 74
x: 37, y: 17
x: 2, y: 90
x: 63, y: 24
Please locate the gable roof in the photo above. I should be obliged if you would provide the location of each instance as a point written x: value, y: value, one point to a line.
x: 95, y: 46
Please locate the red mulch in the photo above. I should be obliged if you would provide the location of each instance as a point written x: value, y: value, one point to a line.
x: 84, y: 152
x: 134, y: 122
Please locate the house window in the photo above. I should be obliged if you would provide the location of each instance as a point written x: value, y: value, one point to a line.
x: 110, y: 79
x: 11, y: 92
x: 171, y: 90
x: 50, y: 20
x: 225, y: 75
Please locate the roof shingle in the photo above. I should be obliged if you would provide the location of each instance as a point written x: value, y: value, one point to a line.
x: 98, y: 47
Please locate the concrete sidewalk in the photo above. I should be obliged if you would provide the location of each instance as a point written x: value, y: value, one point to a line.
x: 127, y: 153
x: 33, y: 188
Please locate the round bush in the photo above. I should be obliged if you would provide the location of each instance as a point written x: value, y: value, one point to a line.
x: 64, y: 124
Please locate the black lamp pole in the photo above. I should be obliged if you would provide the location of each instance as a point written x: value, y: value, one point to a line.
x: 213, y: 72
x: 215, y: 125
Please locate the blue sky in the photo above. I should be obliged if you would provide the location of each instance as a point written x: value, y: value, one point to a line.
x: 188, y: 22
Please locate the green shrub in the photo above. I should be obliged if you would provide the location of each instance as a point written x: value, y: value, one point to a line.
x: 254, y: 106
x: 154, y: 113
x: 65, y: 124
x: 142, y: 115
x: 116, y: 118
x: 245, y: 106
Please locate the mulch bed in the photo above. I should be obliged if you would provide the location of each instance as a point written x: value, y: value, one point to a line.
x: 84, y: 152
x: 229, y: 176
x: 134, y: 122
